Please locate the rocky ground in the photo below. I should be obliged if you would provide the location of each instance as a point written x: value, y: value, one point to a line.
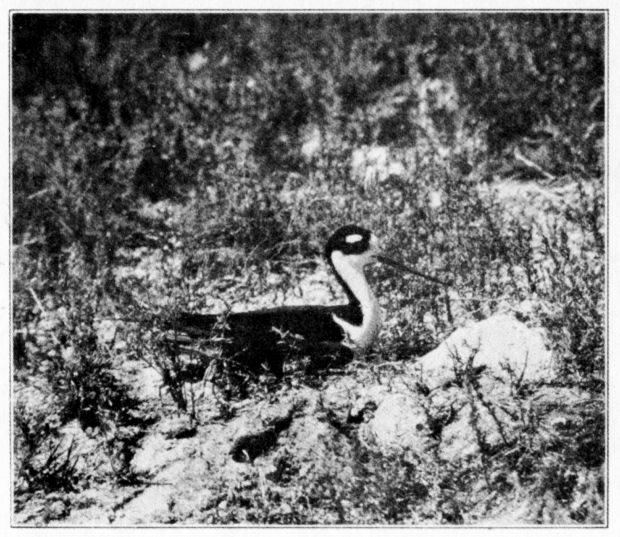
x: 312, y: 450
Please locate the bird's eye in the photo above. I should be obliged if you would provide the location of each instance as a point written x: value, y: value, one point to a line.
x: 351, y: 239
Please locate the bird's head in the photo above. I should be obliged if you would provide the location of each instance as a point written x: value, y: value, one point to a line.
x: 354, y: 244
x: 357, y: 247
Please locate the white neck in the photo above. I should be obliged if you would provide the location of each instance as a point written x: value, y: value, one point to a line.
x: 353, y: 275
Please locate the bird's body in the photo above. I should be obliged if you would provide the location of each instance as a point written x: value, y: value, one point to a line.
x: 255, y: 338
x: 304, y: 321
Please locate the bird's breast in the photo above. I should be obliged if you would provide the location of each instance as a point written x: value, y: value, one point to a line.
x: 363, y: 336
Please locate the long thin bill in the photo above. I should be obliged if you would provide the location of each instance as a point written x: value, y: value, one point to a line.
x: 402, y: 266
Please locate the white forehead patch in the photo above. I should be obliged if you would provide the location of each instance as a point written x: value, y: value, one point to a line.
x: 356, y: 237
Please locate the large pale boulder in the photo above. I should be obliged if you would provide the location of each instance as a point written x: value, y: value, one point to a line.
x: 464, y: 392
x: 505, y: 347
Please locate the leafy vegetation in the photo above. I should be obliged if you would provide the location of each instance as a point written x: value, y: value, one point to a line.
x: 166, y: 162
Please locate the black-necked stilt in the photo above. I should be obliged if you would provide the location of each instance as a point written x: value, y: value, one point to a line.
x: 254, y: 337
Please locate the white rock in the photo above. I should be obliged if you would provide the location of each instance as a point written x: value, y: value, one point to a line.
x: 149, y: 507
x: 106, y: 330
x: 311, y: 144
x: 501, y: 343
x: 372, y: 165
x: 458, y: 439
x: 197, y: 61
x: 400, y: 423
x: 434, y: 199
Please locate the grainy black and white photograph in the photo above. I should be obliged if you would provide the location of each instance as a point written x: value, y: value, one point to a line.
x: 301, y: 269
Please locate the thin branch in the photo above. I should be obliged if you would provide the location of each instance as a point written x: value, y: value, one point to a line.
x: 531, y: 164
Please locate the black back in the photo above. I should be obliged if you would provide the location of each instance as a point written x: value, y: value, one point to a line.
x: 255, y: 337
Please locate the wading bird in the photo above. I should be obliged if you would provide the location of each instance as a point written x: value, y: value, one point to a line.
x: 254, y: 338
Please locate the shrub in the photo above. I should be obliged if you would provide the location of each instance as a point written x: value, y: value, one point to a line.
x: 43, y: 461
